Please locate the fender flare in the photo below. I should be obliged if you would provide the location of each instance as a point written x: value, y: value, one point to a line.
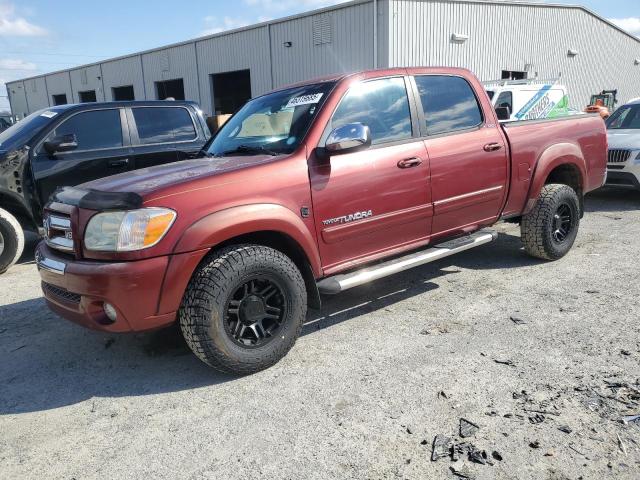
x: 553, y: 157
x: 218, y: 227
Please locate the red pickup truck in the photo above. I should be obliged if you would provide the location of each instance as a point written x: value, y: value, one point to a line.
x: 314, y: 188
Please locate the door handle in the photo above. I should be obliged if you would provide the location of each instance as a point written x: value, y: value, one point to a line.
x: 492, y: 147
x: 409, y: 162
x: 119, y: 163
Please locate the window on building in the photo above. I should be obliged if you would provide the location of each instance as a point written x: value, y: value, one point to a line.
x: 449, y: 104
x: 60, y: 99
x: 123, y: 94
x: 163, y: 124
x: 231, y: 90
x: 170, y: 89
x: 513, y: 75
x: 382, y: 105
x: 94, y: 130
x: 505, y: 99
x: 88, y: 96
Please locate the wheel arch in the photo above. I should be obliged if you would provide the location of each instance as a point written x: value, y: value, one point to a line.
x: 561, y: 163
x: 270, y: 225
x: 12, y: 203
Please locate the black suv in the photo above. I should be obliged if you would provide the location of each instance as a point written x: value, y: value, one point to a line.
x: 71, y: 144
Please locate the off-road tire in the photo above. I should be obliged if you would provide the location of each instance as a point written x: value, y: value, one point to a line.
x: 537, y: 226
x: 12, y: 239
x: 203, y: 308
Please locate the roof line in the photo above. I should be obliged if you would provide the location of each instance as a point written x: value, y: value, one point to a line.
x: 320, y: 11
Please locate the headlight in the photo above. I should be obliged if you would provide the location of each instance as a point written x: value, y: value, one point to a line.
x: 128, y: 231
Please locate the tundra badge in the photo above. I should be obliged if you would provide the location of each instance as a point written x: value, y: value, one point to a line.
x: 348, y: 218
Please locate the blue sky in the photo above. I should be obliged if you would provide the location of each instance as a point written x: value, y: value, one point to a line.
x: 38, y: 36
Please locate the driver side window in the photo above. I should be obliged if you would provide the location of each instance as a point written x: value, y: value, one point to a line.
x: 94, y: 130
x: 382, y: 105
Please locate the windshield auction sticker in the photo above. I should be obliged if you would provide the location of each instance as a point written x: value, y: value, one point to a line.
x: 48, y: 114
x: 304, y: 100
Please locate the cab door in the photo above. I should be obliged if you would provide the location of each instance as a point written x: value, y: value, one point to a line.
x: 102, y: 150
x: 468, y: 154
x: 373, y: 201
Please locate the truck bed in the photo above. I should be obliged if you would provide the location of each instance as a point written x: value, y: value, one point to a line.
x: 530, y: 140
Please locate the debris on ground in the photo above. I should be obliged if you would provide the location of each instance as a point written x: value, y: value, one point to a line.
x: 565, y: 428
x: 518, y: 320
x: 504, y: 362
x: 462, y: 472
x: 537, y: 418
x: 535, y: 444
x: 621, y: 446
x: 496, y: 455
x: 467, y: 428
x: 441, y: 447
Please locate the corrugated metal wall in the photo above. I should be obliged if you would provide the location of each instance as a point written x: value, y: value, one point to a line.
x: 506, y: 36
x: 171, y: 64
x: 245, y: 50
x: 87, y: 79
x: 121, y: 73
x: 36, y: 89
x: 58, y: 84
x: 18, y: 99
x: 350, y: 47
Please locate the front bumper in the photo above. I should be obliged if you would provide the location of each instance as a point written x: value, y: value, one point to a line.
x: 77, y: 291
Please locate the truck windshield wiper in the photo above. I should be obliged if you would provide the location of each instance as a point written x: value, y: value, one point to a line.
x: 248, y: 149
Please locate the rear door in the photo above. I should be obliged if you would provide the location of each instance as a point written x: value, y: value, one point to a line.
x: 163, y: 134
x: 467, y: 153
x: 103, y: 150
x: 373, y: 201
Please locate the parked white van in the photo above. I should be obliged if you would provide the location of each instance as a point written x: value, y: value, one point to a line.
x: 529, y: 99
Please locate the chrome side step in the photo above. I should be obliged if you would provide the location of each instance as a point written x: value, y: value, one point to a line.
x: 339, y: 283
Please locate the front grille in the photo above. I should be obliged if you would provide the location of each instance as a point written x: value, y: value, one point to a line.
x: 618, y: 156
x: 60, y: 293
x: 57, y: 231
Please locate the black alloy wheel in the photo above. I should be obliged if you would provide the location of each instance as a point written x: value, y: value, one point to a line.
x: 255, y: 311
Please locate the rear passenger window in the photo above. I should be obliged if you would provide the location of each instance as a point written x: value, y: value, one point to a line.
x: 163, y: 124
x: 382, y: 105
x: 449, y: 104
x: 94, y: 130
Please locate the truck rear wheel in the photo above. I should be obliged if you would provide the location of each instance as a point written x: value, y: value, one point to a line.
x: 243, y: 309
x: 549, y: 230
x: 11, y: 240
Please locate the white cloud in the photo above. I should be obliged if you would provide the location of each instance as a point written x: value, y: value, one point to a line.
x: 282, y: 5
x: 631, y: 24
x: 217, y: 25
x: 16, y: 64
x: 12, y: 25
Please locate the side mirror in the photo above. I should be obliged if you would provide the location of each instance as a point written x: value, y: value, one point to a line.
x: 61, y: 143
x: 503, y: 113
x: 348, y: 138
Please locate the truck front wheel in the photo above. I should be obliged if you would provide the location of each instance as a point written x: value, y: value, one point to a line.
x: 244, y: 308
x: 11, y: 240
x: 549, y: 230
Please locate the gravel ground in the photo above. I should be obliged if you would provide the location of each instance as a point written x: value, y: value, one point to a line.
x: 542, y: 357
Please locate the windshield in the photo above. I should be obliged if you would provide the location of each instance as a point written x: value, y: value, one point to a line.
x: 491, y: 94
x: 626, y: 117
x: 274, y: 124
x: 21, y: 132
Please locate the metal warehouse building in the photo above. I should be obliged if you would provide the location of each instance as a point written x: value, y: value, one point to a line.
x: 495, y: 39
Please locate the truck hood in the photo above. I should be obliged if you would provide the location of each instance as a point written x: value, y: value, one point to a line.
x: 147, y: 181
x: 626, y: 139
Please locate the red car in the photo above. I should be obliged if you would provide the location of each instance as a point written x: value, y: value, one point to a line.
x: 310, y: 189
